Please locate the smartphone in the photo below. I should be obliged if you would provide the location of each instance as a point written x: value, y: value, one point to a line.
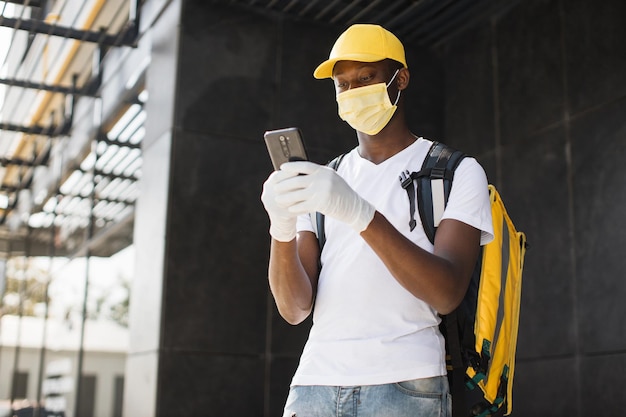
x: 285, y: 145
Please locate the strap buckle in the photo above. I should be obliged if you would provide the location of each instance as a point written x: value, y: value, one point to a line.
x: 437, y: 173
x: 406, y: 179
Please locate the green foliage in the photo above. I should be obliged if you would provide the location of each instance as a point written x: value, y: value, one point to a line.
x: 26, y: 290
x: 26, y: 287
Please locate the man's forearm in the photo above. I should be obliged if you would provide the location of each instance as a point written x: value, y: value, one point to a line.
x: 439, y: 279
x: 289, y: 282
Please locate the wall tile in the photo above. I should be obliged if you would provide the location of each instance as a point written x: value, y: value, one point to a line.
x: 227, y: 65
x: 534, y: 190
x: 210, y: 385
x: 530, y: 71
x: 282, y: 370
x: 598, y: 154
x: 595, y: 39
x: 161, y: 74
x: 140, y: 384
x: 603, y: 383
x: 151, y: 12
x: 424, y: 99
x: 218, y: 247
x: 546, y: 388
x: 469, y: 109
x: 150, y: 241
x: 142, y: 372
x: 288, y: 340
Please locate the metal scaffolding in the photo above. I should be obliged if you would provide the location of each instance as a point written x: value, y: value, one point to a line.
x: 27, y: 143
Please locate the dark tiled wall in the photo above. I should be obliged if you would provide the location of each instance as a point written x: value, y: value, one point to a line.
x: 539, y: 96
x: 223, y: 348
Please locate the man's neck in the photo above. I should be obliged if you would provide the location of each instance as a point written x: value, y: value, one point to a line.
x: 390, y: 141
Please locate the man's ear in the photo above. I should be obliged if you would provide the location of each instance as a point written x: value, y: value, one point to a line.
x: 402, y: 78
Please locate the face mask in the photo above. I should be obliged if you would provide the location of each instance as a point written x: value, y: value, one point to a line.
x: 367, y: 109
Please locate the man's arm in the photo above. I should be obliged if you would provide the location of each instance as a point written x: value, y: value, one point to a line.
x: 293, y: 264
x: 293, y: 273
x: 441, y: 278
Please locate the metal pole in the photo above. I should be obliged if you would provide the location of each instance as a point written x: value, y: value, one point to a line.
x: 42, y: 355
x: 81, y: 348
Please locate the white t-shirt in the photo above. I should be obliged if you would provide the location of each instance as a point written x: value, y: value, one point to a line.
x: 367, y: 328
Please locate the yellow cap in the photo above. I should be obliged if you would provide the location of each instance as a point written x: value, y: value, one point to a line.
x: 363, y: 43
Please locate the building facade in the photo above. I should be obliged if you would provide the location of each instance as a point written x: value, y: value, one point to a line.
x: 533, y: 89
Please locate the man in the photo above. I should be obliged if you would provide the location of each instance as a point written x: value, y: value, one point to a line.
x: 374, y: 348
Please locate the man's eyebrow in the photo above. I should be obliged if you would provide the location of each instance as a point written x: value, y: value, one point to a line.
x: 365, y: 65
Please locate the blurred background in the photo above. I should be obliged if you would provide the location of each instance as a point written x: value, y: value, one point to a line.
x: 133, y: 244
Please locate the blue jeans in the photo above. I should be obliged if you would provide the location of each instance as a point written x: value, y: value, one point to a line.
x: 428, y: 397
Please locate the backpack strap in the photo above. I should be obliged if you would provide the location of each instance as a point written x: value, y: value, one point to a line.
x: 433, y: 189
x: 318, y: 219
x: 434, y: 182
x: 456, y: 369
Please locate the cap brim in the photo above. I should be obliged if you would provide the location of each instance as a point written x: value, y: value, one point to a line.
x: 325, y: 69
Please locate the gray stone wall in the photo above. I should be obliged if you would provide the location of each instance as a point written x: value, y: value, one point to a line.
x: 539, y: 96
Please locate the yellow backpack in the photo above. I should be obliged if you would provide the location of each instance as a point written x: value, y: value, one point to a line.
x: 481, y: 334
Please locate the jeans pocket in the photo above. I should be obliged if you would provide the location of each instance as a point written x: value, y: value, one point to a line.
x: 448, y: 406
x: 423, y: 387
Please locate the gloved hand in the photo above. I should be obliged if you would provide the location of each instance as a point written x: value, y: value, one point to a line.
x: 322, y: 189
x: 282, y: 221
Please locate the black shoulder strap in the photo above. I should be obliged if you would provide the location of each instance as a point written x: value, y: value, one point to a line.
x: 319, y: 217
x: 434, y: 181
x: 439, y: 164
x: 454, y: 359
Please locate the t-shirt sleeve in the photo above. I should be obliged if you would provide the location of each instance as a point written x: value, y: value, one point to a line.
x: 469, y: 199
x: 305, y: 223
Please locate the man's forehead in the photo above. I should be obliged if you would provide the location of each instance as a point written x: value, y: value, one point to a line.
x: 342, y: 66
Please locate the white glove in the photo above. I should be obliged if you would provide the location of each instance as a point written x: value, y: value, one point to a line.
x: 322, y: 189
x: 282, y: 221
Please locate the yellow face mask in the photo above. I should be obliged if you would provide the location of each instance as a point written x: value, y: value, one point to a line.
x: 367, y: 109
